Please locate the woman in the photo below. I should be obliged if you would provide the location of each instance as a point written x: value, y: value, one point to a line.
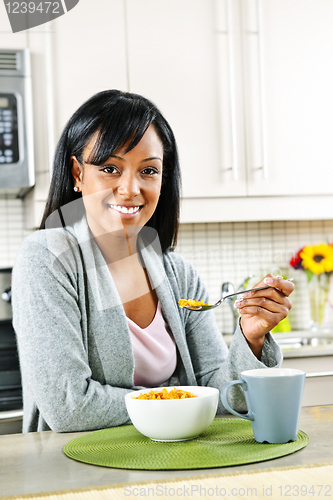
x: 96, y: 290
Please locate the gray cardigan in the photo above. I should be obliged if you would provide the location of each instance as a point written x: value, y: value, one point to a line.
x: 74, y: 344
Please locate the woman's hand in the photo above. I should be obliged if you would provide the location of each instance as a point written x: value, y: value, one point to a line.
x: 262, y: 310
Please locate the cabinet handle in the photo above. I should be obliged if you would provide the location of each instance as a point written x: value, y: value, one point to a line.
x: 49, y: 78
x: 319, y: 374
x: 232, y: 91
x: 262, y: 91
x: 11, y: 415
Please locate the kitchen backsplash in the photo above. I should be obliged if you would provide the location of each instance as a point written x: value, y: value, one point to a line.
x: 230, y: 252
x: 221, y: 252
x: 12, y: 229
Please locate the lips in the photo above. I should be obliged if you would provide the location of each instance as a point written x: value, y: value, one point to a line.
x: 122, y: 209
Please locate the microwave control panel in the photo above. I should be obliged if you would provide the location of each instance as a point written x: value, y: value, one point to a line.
x: 9, y: 143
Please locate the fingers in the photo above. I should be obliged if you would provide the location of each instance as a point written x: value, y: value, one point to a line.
x: 271, y: 294
x: 257, y: 304
x: 285, y: 286
x: 261, y: 314
x: 264, y: 309
x: 272, y: 315
x: 258, y: 321
x: 273, y: 300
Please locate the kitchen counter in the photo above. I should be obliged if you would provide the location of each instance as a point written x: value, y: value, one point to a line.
x: 35, y: 462
x: 300, y: 344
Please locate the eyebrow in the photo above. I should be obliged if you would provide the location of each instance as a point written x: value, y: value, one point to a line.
x: 143, y: 161
x: 153, y: 158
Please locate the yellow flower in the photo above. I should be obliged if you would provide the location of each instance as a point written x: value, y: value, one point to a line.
x: 318, y: 258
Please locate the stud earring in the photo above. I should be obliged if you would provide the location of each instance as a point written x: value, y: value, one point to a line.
x: 76, y: 189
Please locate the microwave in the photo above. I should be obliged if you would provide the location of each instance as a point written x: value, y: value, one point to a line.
x: 17, y: 172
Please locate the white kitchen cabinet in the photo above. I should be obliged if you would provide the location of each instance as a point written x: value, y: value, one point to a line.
x: 83, y: 52
x: 246, y: 86
x: 174, y: 54
x: 250, y: 102
x: 318, y: 390
x: 288, y: 81
x: 73, y: 57
x: 88, y: 55
x: 316, y: 361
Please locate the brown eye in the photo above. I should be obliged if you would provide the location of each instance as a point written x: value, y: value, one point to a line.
x: 110, y: 169
x: 150, y: 171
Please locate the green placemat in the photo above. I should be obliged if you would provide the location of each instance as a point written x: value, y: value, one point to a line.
x: 226, y: 442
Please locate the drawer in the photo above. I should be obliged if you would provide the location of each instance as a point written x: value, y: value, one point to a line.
x: 11, y: 422
x: 10, y: 379
x: 318, y: 389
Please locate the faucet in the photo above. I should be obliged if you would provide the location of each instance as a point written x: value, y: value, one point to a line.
x: 228, y: 288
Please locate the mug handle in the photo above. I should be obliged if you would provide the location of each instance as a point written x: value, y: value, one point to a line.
x: 224, y: 392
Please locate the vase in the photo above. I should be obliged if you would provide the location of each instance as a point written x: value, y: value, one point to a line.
x: 319, y: 287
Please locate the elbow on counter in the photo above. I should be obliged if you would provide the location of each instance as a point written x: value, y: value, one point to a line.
x: 81, y: 418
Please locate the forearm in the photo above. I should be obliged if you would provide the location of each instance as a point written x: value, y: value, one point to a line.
x: 256, y: 345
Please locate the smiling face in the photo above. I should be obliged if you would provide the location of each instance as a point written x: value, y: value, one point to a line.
x: 123, y: 191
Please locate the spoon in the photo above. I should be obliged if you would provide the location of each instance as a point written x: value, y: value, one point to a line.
x: 207, y: 307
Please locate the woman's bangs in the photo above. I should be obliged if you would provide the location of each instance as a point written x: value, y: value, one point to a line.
x: 117, y: 132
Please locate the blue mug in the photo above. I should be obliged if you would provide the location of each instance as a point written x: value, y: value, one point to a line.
x: 274, y: 401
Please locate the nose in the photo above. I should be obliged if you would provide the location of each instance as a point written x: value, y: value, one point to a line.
x: 129, y: 185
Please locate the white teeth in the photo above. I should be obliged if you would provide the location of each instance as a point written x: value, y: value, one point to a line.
x: 125, y: 210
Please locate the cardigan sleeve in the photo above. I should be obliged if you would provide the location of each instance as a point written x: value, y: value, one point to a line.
x: 213, y: 363
x: 58, y: 389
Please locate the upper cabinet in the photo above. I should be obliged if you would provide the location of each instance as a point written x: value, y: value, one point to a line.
x: 288, y: 81
x: 247, y: 88
x: 178, y: 59
x: 72, y: 57
x: 245, y: 84
x: 88, y: 55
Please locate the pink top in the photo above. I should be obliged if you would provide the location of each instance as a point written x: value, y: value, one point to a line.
x: 154, y: 351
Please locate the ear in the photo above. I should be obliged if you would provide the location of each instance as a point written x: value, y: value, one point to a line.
x: 76, y: 172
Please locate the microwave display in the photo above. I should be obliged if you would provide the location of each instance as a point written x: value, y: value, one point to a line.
x: 4, y: 102
x: 9, y: 152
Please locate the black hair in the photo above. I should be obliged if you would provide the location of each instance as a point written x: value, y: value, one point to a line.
x: 118, y: 118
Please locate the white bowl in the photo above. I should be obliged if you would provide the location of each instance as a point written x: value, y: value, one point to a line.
x: 173, y: 419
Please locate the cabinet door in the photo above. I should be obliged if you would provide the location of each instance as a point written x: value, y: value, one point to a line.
x: 318, y: 388
x: 288, y: 49
x: 89, y: 54
x: 177, y: 53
